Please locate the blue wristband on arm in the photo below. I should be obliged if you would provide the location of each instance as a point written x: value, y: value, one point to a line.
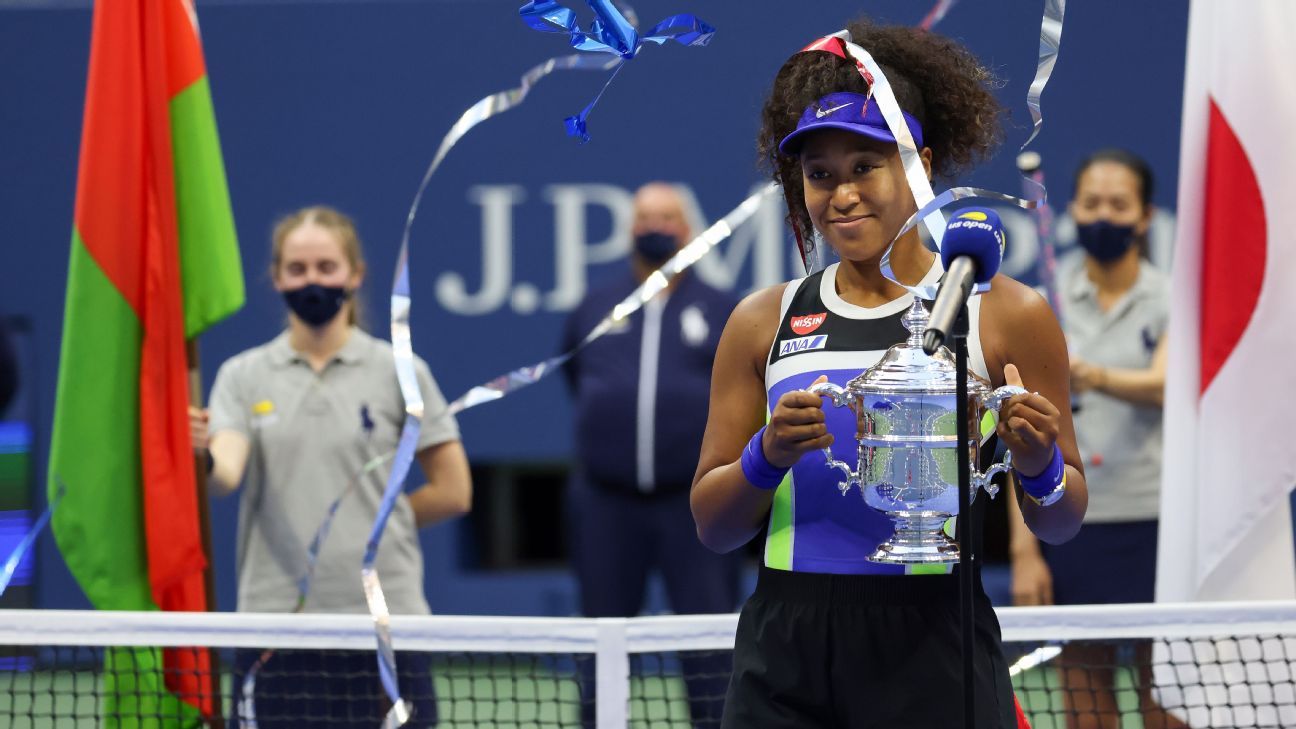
x: 756, y: 468
x: 1049, y: 484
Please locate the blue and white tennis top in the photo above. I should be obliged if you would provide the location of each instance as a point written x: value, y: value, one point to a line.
x: 813, y: 527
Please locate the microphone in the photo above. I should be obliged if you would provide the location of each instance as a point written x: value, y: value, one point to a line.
x: 971, y: 252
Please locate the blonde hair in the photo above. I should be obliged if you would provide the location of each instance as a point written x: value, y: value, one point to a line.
x: 337, y: 223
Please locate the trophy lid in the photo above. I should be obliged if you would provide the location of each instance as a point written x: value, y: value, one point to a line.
x: 907, y: 368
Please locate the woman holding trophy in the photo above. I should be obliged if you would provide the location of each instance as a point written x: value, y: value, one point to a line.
x: 832, y: 636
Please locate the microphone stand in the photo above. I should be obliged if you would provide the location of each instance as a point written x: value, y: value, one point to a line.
x: 963, y: 524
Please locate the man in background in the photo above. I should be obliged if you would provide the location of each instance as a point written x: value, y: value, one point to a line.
x: 641, y: 395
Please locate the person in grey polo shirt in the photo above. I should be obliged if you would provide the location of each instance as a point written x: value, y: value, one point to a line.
x: 295, y: 421
x: 1115, y: 308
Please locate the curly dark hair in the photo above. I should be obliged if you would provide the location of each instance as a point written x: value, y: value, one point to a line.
x: 935, y: 79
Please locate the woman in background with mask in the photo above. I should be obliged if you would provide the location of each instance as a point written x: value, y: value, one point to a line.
x: 297, y: 419
x: 1115, y: 310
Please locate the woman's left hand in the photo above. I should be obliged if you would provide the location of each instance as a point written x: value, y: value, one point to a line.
x: 1028, y: 425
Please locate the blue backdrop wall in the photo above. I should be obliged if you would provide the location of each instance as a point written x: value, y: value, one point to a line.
x: 344, y: 103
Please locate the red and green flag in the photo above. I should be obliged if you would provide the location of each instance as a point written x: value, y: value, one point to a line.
x: 154, y: 261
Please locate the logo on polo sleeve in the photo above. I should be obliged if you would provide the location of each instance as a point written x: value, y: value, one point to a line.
x: 263, y: 414
x: 693, y: 327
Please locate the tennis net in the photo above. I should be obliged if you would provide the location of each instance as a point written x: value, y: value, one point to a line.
x: 1219, y: 665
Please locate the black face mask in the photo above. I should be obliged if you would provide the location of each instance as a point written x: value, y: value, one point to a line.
x: 316, y: 305
x: 655, y: 247
x: 1105, y: 241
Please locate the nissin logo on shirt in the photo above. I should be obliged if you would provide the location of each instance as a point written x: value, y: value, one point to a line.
x: 802, y: 344
x: 808, y: 323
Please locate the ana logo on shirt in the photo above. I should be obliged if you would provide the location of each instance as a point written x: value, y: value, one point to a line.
x: 802, y: 344
x: 807, y: 323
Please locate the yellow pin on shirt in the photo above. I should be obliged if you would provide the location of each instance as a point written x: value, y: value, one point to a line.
x: 265, y: 407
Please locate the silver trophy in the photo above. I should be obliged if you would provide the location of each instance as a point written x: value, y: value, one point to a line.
x: 906, y: 433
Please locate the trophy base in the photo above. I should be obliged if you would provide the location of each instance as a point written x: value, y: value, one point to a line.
x: 918, y: 539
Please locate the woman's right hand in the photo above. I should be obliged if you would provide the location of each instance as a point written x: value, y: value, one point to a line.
x: 796, y: 427
x: 1086, y: 376
x: 198, y: 435
x: 1032, y: 582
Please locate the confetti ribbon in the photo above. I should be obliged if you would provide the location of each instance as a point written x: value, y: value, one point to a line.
x: 403, y: 354
x: 1050, y: 41
x: 1030, y: 164
x: 657, y: 282
x: 498, y: 103
x: 612, y: 32
x: 247, y: 700
x: 407, y: 378
x: 936, y: 14
x: 25, y: 544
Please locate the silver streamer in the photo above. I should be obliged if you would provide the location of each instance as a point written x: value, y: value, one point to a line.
x: 1030, y: 163
x: 936, y: 14
x: 247, y: 691
x: 942, y: 200
x: 1050, y: 41
x: 403, y: 351
x: 653, y: 285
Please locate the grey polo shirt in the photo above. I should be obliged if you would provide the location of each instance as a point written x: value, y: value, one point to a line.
x: 1119, y: 441
x: 311, y: 434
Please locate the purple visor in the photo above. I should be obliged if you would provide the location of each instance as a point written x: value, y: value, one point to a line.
x: 851, y: 112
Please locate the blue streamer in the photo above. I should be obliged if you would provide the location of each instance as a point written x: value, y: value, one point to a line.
x: 548, y: 16
x: 576, y: 126
x: 685, y: 28
x: 610, y: 32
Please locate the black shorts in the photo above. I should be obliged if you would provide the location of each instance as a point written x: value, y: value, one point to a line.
x: 863, y: 652
x: 1104, y: 564
x: 337, y: 689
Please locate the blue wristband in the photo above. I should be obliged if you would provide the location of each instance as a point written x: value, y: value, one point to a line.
x: 756, y: 467
x: 1048, y: 481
